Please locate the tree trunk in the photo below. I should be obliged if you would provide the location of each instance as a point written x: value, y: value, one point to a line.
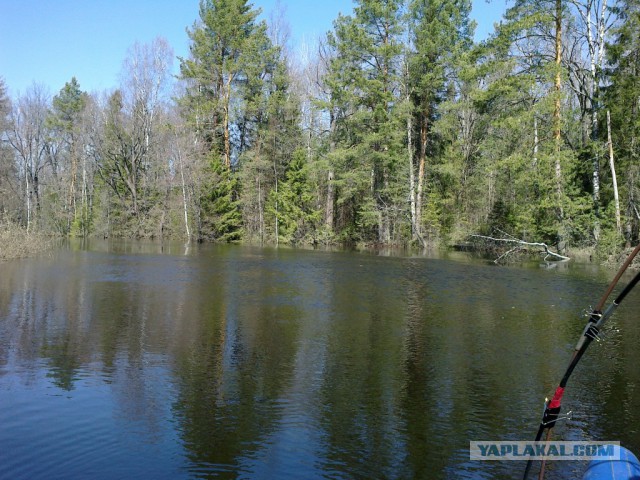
x: 331, y: 189
x: 260, y: 212
x: 71, y: 202
x: 596, y: 165
x: 557, y: 134
x: 421, y: 168
x: 85, y: 203
x: 613, y: 175
x: 184, y: 196
x: 329, y: 209
x: 412, y: 179
x: 557, y: 121
x: 227, y: 136
x: 535, y: 142
x: 27, y: 192
x: 385, y: 236
x: 414, y: 194
x: 275, y: 171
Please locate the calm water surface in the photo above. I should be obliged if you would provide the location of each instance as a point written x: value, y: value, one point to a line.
x: 141, y: 361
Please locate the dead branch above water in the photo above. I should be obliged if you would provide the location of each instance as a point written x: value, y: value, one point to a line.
x: 520, y: 246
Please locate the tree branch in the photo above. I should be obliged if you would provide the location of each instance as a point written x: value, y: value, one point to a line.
x: 521, y: 245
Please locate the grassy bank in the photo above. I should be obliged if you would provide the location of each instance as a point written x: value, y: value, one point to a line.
x: 16, y: 242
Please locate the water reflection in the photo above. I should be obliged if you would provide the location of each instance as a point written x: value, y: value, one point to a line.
x: 151, y: 361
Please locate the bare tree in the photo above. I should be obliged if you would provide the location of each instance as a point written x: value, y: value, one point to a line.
x: 131, y: 122
x: 28, y: 137
x: 146, y: 75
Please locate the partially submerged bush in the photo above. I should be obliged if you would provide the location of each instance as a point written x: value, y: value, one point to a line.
x: 16, y: 242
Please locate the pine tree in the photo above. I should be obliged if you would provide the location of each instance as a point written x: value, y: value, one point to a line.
x: 65, y: 120
x: 537, y: 165
x: 229, y: 53
x: 231, y: 58
x: 364, y: 80
x: 440, y: 33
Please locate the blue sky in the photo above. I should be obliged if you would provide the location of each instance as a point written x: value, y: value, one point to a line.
x: 50, y: 41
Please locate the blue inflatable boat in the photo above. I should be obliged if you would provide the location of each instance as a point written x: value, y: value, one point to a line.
x: 627, y: 468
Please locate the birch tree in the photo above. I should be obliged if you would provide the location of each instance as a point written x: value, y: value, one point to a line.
x: 593, y: 21
x: 28, y: 138
x: 129, y: 145
x: 623, y: 99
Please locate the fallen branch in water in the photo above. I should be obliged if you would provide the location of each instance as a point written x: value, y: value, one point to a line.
x: 521, y: 245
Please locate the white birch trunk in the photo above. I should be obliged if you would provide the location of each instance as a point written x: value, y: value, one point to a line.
x: 184, y: 200
x: 412, y: 179
x: 260, y: 212
x: 614, y: 179
x: 28, y: 197
x: 536, y: 141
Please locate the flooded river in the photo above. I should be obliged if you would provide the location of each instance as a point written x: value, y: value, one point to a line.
x: 133, y: 360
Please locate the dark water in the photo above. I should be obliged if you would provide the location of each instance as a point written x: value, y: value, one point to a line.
x: 140, y: 361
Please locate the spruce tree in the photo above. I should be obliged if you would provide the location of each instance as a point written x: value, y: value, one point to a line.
x: 296, y: 213
x: 222, y: 218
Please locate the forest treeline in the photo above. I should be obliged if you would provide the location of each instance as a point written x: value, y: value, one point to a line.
x: 395, y: 129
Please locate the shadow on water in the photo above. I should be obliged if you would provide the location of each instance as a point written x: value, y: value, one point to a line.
x: 157, y: 360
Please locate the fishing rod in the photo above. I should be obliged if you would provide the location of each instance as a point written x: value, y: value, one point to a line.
x: 591, y: 332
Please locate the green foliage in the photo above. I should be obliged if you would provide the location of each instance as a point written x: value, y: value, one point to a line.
x: 230, y: 55
x: 222, y: 218
x: 81, y: 224
x: 363, y: 78
x: 65, y: 125
x: 621, y: 98
x: 501, y: 218
x: 67, y: 106
x: 292, y: 204
x: 414, y: 134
